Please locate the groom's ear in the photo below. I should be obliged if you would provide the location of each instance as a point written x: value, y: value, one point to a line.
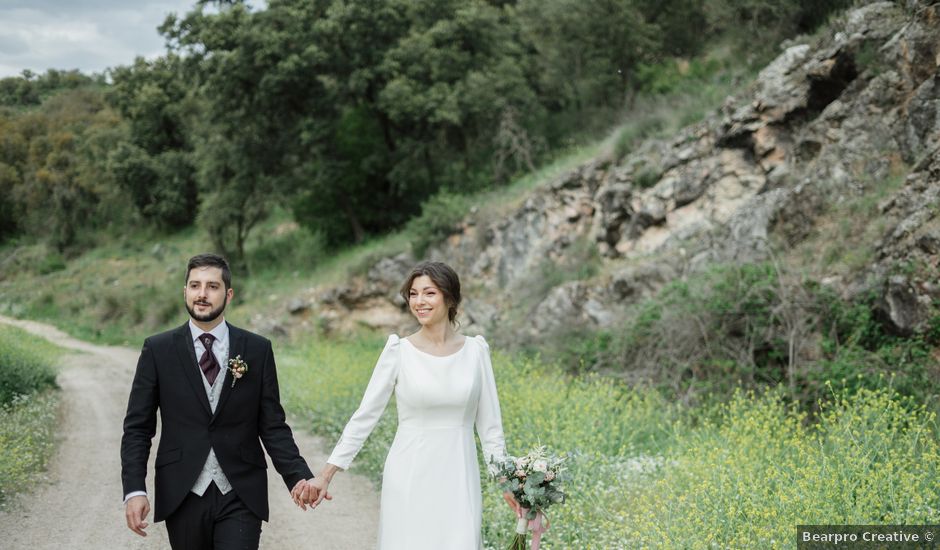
x: 229, y: 294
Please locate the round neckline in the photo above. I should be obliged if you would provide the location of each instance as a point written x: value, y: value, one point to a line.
x: 419, y: 350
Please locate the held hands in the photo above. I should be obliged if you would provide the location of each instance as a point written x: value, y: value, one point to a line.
x: 135, y: 512
x: 310, y: 492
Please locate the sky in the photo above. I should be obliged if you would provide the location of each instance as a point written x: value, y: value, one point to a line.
x: 88, y: 35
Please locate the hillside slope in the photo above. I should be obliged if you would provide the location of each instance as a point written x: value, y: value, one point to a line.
x: 778, y: 174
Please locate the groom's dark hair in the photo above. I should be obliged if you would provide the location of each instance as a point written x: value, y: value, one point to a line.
x: 210, y: 260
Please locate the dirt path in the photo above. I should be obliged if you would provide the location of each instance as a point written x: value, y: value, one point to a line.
x: 79, y: 507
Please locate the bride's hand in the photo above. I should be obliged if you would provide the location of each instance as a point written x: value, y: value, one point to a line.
x: 302, y: 493
x: 318, y: 489
x: 513, y: 503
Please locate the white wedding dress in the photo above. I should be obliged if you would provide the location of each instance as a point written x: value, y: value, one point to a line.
x: 431, y: 483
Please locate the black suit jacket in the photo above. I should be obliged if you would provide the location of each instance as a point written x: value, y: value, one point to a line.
x: 168, y: 378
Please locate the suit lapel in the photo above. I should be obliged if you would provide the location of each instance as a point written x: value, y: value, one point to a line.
x: 237, y: 343
x: 186, y: 353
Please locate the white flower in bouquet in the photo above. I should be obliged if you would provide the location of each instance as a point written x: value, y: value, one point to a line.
x: 535, y: 481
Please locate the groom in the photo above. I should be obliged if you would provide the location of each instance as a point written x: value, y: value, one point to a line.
x: 211, y: 484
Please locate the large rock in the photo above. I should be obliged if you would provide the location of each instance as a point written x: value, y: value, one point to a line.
x: 390, y: 273
x: 900, y: 307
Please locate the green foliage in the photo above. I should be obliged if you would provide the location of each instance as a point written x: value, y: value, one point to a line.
x: 588, y: 51
x: 635, y: 131
x: 860, y: 353
x: 30, y: 90
x: 673, y: 74
x: 160, y: 186
x: 869, y: 58
x: 28, y: 409
x: 289, y: 248
x: 25, y: 364
x: 52, y: 162
x: 155, y: 165
x: 50, y: 263
x: 440, y: 216
x: 744, y: 480
x: 651, y: 473
x: 675, y: 93
x: 647, y: 178
x: 601, y: 422
x: 753, y: 326
x: 27, y: 442
x: 351, y: 113
x: 746, y: 19
x: 726, y: 326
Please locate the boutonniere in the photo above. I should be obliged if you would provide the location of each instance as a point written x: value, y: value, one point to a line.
x: 238, y: 367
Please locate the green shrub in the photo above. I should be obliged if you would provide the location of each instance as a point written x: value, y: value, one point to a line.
x: 727, y: 326
x: 646, y: 178
x: 438, y: 220
x: 25, y: 364
x: 291, y: 250
x: 748, y: 325
x: 869, y: 58
x: 27, y: 410
x: 52, y: 262
x: 859, y: 353
x: 643, y: 126
x: 27, y: 441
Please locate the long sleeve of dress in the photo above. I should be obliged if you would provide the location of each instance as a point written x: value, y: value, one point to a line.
x: 376, y: 397
x: 489, y: 421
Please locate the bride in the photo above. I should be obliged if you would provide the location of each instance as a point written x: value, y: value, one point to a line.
x: 443, y: 384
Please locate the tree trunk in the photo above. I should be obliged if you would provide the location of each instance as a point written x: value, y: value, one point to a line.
x: 359, y: 233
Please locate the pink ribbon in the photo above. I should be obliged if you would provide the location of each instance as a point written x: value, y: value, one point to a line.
x: 535, y: 525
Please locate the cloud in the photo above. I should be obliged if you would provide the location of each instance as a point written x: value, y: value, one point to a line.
x: 12, y: 45
x: 90, y: 36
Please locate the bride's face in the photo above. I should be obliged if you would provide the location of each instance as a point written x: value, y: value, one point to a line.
x: 426, y: 301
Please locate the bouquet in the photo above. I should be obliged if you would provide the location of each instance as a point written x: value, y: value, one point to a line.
x: 535, y: 480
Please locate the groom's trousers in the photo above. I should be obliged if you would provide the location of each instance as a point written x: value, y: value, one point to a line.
x: 213, y: 521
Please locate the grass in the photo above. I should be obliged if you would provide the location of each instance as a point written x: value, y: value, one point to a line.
x: 687, y: 97
x: 115, y: 293
x: 28, y: 409
x: 843, y: 240
x: 26, y: 364
x: 27, y: 440
x: 648, y: 473
x: 744, y: 480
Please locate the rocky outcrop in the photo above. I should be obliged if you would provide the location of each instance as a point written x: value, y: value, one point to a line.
x: 905, y: 273
x: 824, y: 122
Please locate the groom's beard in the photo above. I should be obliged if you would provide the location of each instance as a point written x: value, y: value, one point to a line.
x: 212, y: 315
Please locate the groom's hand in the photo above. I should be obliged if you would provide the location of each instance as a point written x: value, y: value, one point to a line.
x: 135, y: 511
x: 317, y: 490
x: 301, y: 493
